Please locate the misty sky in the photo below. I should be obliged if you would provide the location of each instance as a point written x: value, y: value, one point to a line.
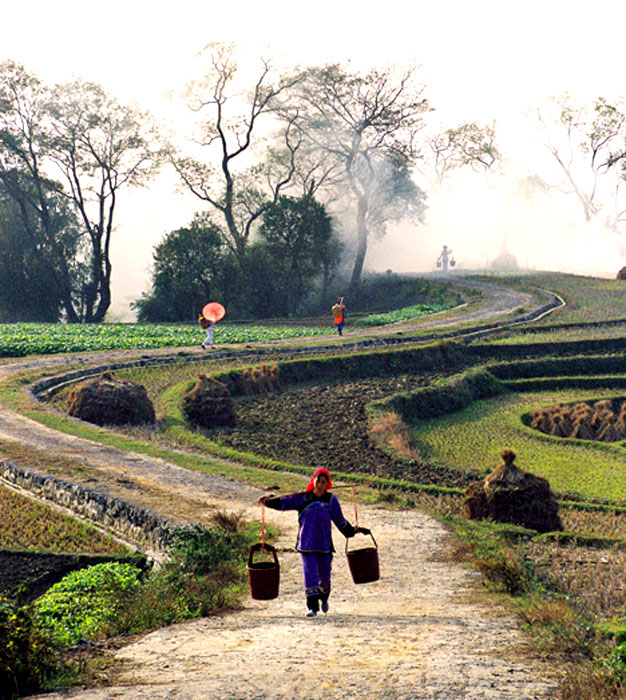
x: 484, y: 60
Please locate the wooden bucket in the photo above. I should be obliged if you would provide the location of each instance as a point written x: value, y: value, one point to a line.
x: 264, y: 576
x: 363, y: 563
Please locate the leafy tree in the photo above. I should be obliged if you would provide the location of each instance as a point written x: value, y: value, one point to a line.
x: 29, y: 289
x: 188, y: 270
x: 468, y: 145
x: 25, y: 286
x: 299, y: 240
x: 588, y: 145
x: 96, y: 146
x: 231, y: 127
x: 363, y: 127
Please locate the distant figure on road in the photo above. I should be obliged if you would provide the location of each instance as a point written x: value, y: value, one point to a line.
x: 208, y: 327
x: 444, y: 257
x: 339, y: 313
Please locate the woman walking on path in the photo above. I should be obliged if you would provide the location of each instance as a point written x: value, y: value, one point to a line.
x: 316, y: 509
x: 208, y: 327
x: 444, y: 257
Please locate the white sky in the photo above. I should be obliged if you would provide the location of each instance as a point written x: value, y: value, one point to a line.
x: 481, y: 60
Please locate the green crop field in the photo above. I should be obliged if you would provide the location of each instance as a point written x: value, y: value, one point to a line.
x: 21, y: 339
x: 473, y: 437
x: 407, y: 313
x: 27, y: 524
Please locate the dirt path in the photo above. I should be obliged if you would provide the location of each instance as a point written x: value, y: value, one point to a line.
x: 419, y: 632
x: 425, y: 630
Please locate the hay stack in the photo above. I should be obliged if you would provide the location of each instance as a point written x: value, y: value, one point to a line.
x: 106, y: 400
x: 209, y: 403
x: 582, y: 421
x: 510, y: 495
x: 260, y: 380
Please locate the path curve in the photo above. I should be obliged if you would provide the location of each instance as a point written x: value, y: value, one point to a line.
x: 425, y: 630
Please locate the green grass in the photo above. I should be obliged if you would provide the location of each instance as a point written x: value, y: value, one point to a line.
x: 587, y: 298
x: 556, y: 335
x: 473, y: 437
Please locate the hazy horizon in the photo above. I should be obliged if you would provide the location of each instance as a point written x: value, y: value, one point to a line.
x: 486, y: 62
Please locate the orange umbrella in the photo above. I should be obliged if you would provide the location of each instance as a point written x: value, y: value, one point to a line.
x: 213, y: 311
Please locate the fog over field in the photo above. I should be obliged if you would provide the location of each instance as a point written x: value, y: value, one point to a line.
x: 486, y: 61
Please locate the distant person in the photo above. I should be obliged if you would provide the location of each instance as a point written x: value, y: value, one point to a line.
x: 208, y: 327
x: 444, y: 257
x: 339, y: 313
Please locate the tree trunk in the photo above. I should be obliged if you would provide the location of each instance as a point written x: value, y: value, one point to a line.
x: 361, y: 250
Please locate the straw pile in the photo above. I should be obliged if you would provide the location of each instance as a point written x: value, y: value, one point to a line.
x: 599, y: 421
x: 107, y: 400
x: 510, y: 495
x: 209, y: 403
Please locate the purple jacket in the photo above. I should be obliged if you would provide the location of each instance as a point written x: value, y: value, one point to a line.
x: 315, y: 514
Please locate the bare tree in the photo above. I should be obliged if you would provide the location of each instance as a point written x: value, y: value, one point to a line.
x: 469, y: 145
x: 98, y: 147
x: 232, y: 179
x: 363, y: 129
x: 588, y: 144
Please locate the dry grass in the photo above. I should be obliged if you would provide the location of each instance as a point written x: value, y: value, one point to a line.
x: 390, y: 430
x: 600, y: 523
x: 591, y: 682
x: 592, y: 580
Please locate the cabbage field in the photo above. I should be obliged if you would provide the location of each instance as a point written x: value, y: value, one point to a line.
x: 20, y: 339
x: 407, y: 313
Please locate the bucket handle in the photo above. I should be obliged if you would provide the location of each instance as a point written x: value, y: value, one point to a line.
x: 259, y: 546
x: 370, y: 534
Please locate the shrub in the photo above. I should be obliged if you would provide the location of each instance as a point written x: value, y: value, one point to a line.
x: 199, y: 550
x: 204, y: 575
x: 83, y: 604
x: 27, y: 656
x: 445, y: 396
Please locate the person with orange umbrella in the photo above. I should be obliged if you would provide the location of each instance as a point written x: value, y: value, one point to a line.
x: 211, y: 314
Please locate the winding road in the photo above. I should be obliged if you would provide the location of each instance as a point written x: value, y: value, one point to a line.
x: 426, y: 630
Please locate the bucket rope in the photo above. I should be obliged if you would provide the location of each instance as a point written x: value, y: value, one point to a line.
x: 356, y: 514
x: 263, y: 525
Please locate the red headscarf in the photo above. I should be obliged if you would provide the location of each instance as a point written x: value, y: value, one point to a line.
x: 321, y: 470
